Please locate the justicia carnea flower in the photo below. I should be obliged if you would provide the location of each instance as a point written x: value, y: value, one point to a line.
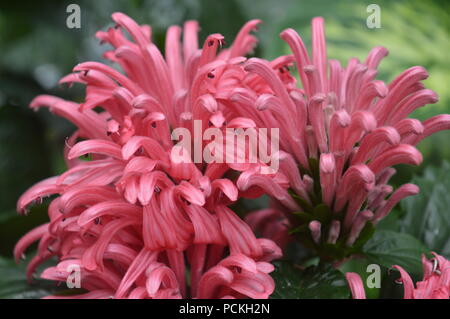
x: 434, y: 285
x: 340, y: 134
x: 133, y: 220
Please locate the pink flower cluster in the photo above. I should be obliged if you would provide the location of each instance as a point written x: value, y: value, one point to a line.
x: 340, y: 135
x: 134, y: 221
x: 434, y: 285
x: 137, y: 223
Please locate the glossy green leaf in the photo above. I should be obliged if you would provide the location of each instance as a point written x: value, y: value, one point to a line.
x: 389, y: 248
x: 13, y: 283
x: 426, y: 215
x: 314, y: 282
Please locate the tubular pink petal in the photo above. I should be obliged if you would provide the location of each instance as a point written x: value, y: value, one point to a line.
x: 374, y: 140
x: 334, y: 232
x: 190, y: 40
x: 24, y: 242
x: 319, y: 50
x: 356, y: 285
x: 362, y: 122
x: 89, y: 123
x: 358, y: 225
x: 140, y: 263
x: 115, y: 208
x: 190, y: 193
x: 227, y: 187
x: 397, y: 90
x: 433, y: 125
x: 315, y: 228
x: 95, y: 294
x: 316, y: 109
x: 93, y: 256
x: 238, y: 234
x: 411, y: 103
x: 154, y: 226
x: 358, y: 178
x: 174, y: 58
x: 259, y: 286
x: 370, y: 91
x: 209, y: 51
x: 406, y: 280
x: 400, y: 154
x: 271, y: 251
x: 402, y: 192
x: 117, y: 76
x: 95, y: 146
x: 206, y: 226
x: 375, y: 56
x: 212, y: 280
x: 263, y: 69
x: 132, y: 27
x: 301, y: 55
x: 289, y: 168
x: 151, y: 146
x: 240, y: 261
x: 339, y: 120
x: 159, y: 277
x: 327, y: 167
x: 38, y: 191
x: 245, y: 181
x: 408, y: 127
x: 244, y: 42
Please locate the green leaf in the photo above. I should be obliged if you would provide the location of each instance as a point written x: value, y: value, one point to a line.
x: 13, y: 283
x: 315, y: 282
x: 389, y: 248
x: 426, y: 214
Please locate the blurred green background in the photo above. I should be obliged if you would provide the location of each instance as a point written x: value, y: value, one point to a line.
x: 36, y: 49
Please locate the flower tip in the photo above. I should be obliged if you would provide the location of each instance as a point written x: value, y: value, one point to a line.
x: 318, y: 20
x: 327, y: 163
x: 119, y: 16
x: 356, y: 285
x: 319, y: 97
x: 411, y: 189
x: 251, y: 63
